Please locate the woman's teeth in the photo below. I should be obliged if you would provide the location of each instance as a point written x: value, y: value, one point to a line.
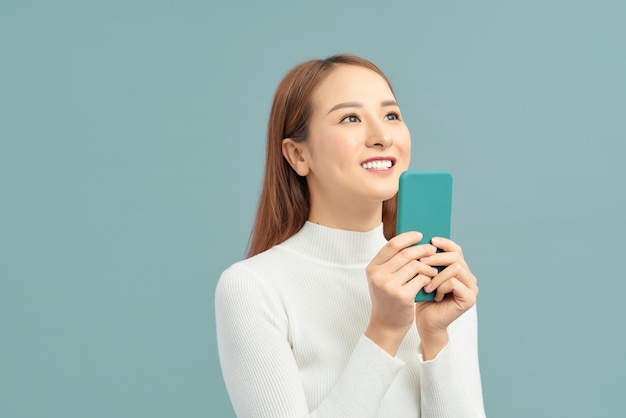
x: 377, y: 165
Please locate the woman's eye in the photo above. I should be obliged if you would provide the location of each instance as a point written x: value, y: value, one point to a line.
x: 392, y: 116
x: 350, y: 118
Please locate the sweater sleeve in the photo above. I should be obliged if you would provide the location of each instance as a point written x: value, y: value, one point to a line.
x: 450, y: 383
x: 258, y: 366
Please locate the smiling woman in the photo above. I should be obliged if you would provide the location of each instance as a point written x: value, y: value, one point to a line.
x: 344, y: 134
x: 285, y: 202
x: 320, y: 320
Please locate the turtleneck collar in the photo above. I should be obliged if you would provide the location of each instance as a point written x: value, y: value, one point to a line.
x: 336, y: 246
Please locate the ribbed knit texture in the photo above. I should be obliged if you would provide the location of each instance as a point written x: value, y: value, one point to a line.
x: 290, y: 325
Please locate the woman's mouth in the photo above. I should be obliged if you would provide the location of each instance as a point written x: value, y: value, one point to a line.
x: 377, y: 164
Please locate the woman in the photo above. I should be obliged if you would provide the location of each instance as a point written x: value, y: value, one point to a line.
x: 320, y: 319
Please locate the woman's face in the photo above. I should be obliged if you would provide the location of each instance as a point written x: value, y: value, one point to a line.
x: 358, y: 144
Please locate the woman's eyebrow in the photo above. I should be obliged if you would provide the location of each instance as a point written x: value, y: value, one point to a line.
x: 359, y: 104
x: 344, y: 105
x: 388, y: 103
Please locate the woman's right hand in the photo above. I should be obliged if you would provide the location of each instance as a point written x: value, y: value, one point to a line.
x: 395, y: 275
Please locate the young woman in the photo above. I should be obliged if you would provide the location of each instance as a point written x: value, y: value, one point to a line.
x: 320, y: 319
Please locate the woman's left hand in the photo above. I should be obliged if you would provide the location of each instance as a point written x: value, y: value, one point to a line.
x: 456, y: 291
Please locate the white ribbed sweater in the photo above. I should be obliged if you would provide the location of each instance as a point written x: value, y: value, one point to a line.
x: 290, y: 324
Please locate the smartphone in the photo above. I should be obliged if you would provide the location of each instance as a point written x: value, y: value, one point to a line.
x: 425, y: 205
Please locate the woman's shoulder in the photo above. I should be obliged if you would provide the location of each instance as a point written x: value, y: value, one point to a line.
x: 253, y: 271
x: 253, y: 283
x: 255, y: 265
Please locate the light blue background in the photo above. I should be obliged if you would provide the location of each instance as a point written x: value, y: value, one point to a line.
x: 132, y: 141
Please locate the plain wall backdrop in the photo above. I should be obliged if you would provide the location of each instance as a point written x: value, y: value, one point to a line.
x: 132, y: 140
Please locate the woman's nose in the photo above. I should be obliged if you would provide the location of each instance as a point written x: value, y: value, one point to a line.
x: 378, y: 136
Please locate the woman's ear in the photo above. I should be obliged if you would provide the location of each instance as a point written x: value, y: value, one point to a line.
x: 294, y: 154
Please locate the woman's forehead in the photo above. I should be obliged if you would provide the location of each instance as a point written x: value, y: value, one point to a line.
x: 351, y: 83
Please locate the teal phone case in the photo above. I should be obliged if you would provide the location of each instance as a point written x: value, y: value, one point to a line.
x: 425, y: 205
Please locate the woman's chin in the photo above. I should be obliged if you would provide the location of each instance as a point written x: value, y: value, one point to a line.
x: 385, y: 195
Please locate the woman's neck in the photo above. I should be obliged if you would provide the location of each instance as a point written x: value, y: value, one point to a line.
x: 359, y: 218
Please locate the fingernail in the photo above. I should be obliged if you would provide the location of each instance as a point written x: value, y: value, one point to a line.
x: 424, y: 259
x: 428, y: 288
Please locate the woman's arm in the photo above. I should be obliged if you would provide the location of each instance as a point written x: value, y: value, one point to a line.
x: 258, y: 365
x: 451, y: 383
x: 448, y: 332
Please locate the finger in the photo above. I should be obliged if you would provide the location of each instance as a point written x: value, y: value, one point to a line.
x: 395, y: 245
x: 410, y: 270
x: 444, y: 259
x: 458, y: 271
x: 416, y: 284
x: 409, y: 254
x: 463, y: 296
x: 446, y: 244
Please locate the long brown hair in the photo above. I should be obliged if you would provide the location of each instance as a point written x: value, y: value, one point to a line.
x: 284, y: 203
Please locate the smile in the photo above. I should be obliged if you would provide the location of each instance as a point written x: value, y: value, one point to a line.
x: 378, y: 164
